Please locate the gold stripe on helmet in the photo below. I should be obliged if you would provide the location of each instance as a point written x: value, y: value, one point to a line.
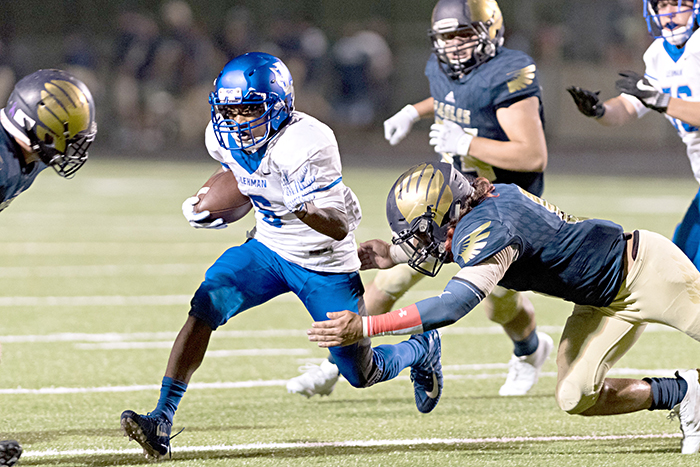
x: 62, y: 101
x: 422, y: 189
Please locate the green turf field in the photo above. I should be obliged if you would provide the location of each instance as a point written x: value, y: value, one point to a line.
x: 96, y: 274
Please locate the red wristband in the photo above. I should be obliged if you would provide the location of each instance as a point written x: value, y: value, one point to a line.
x: 402, y: 321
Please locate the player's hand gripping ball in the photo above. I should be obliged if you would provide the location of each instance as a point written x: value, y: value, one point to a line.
x: 218, y: 203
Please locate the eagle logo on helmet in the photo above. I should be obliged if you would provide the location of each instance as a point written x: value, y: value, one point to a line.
x: 64, y: 112
x: 420, y: 206
x: 422, y: 190
x: 53, y: 113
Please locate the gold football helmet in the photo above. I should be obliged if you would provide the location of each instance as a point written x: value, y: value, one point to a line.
x: 419, y: 208
x: 52, y: 112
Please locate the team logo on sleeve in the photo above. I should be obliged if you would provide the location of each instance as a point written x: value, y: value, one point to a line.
x: 519, y: 80
x: 474, y: 242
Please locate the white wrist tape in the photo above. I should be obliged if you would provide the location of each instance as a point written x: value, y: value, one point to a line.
x: 365, y: 326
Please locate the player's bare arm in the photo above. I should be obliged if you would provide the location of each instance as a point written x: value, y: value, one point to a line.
x: 618, y: 111
x: 527, y: 149
x: 685, y: 111
x: 424, y: 107
x: 328, y: 221
x: 613, y: 112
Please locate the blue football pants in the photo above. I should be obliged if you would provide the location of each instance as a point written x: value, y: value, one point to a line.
x: 687, y: 234
x: 251, y: 274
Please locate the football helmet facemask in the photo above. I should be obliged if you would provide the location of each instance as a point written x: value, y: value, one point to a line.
x: 257, y: 86
x: 52, y: 112
x: 419, y: 208
x: 465, y: 34
x: 673, y: 33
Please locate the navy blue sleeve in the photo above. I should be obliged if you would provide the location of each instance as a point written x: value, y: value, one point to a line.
x: 459, y: 298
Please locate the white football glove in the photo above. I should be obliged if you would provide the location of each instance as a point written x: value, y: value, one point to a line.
x: 450, y: 137
x: 195, y: 218
x: 397, y: 127
x: 298, y: 190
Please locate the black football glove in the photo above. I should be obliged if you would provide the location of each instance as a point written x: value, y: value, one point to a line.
x: 640, y: 87
x: 587, y: 101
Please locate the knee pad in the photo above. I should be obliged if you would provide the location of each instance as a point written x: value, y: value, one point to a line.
x: 502, y: 305
x: 573, y: 398
x: 397, y: 280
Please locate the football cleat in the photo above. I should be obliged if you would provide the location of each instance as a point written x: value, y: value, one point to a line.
x: 316, y: 379
x: 427, y: 377
x: 10, y: 451
x: 153, y: 434
x: 689, y: 412
x: 524, y: 371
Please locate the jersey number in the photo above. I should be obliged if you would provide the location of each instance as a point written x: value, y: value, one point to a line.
x: 268, y: 216
x: 682, y: 92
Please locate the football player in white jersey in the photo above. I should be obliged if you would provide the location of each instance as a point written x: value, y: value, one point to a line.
x: 289, y: 166
x: 671, y: 86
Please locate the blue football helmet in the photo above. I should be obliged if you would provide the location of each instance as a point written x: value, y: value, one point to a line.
x: 419, y: 208
x: 672, y: 33
x: 257, y: 86
x: 465, y: 34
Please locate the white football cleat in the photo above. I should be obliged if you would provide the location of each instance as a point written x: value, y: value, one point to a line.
x: 689, y: 412
x: 523, y: 372
x: 316, y: 379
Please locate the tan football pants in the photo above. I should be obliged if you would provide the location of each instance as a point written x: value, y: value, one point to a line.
x: 662, y: 286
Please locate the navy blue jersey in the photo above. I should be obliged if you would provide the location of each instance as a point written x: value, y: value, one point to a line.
x: 15, y: 177
x: 580, y: 260
x: 472, y: 102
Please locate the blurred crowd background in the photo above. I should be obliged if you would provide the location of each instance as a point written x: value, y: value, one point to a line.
x: 150, y: 63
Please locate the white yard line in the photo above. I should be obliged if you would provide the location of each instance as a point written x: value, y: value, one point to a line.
x: 102, y: 270
x: 245, y: 334
x: 357, y: 443
x: 283, y: 382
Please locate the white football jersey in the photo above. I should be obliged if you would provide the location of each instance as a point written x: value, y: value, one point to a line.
x: 303, y: 143
x: 676, y: 72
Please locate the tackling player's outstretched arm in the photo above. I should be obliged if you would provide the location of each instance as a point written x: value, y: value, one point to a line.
x: 462, y: 293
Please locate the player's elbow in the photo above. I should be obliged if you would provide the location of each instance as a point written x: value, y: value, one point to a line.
x: 537, y: 160
x: 340, y: 231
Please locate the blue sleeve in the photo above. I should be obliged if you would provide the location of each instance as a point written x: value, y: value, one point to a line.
x: 459, y: 298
